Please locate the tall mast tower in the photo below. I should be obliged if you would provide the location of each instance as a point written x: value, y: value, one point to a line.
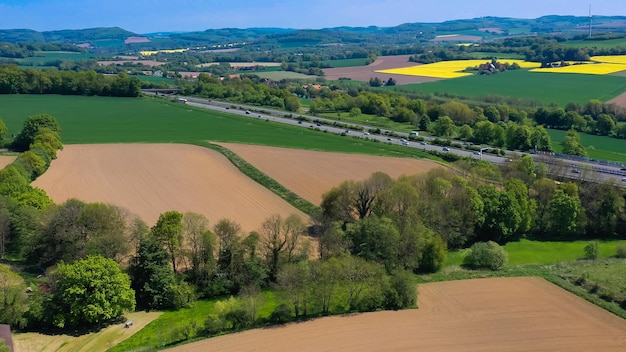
x: 590, y: 18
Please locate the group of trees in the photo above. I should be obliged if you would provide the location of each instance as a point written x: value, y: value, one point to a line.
x: 394, y: 221
x: 14, y: 80
x: 593, y: 117
x: 250, y: 90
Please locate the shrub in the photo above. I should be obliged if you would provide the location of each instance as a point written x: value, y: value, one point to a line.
x: 282, y: 314
x: 487, y: 255
x: 402, y: 291
x: 620, y: 251
x: 434, y: 255
x: 213, y: 325
x: 591, y: 250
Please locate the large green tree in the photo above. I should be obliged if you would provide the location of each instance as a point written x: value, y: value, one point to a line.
x: 33, y: 126
x: 571, y: 144
x: 90, y: 292
x: 13, y: 300
x: 169, y: 231
x: 563, y: 215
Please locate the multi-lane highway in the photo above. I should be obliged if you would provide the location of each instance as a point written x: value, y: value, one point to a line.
x: 574, y: 170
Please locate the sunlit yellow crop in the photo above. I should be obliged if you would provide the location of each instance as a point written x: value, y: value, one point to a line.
x: 169, y: 51
x: 450, y: 69
x: 612, y: 59
x: 589, y: 69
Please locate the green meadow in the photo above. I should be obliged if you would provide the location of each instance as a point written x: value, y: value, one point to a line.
x: 526, y: 252
x: 598, y: 147
x: 345, y: 62
x: 88, y: 120
x: 600, y: 44
x: 559, y: 88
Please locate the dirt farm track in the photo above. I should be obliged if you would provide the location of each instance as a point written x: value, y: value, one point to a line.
x: 501, y: 314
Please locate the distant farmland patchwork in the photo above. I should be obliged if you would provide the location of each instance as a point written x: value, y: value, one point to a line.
x: 531, y: 83
x: 545, y: 87
x: 450, y: 69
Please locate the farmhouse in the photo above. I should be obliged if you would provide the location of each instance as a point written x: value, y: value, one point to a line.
x: 5, y: 335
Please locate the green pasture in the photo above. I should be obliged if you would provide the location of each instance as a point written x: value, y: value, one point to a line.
x: 598, y: 147
x: 43, y: 57
x: 559, y: 88
x: 491, y: 54
x: 526, y: 252
x: 108, y: 43
x: 86, y: 120
x: 155, y: 79
x: 345, y: 62
x: 600, y: 44
x: 278, y: 75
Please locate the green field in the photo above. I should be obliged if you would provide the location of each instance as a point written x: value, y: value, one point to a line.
x: 87, y: 120
x: 481, y: 54
x: 559, y: 88
x: 526, y: 252
x: 278, y: 75
x: 155, y: 79
x: 345, y: 63
x: 600, y: 44
x: 598, y: 147
x: 44, y: 57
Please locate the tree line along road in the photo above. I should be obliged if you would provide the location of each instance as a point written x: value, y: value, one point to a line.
x: 566, y: 170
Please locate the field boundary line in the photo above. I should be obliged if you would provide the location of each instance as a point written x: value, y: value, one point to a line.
x: 264, y: 180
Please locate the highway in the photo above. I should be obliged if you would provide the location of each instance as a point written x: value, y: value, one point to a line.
x: 564, y: 168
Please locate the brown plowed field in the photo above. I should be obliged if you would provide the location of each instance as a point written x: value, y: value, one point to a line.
x: 6, y: 160
x: 151, y: 63
x: 150, y: 179
x: 310, y: 174
x: 620, y: 100
x: 502, y: 314
x: 364, y: 73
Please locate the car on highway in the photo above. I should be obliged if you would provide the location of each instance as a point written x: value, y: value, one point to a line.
x: 422, y: 143
x: 576, y: 170
x: 624, y: 179
x: 247, y: 112
x: 476, y: 152
x: 446, y: 149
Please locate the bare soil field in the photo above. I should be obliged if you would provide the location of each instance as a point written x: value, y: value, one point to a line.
x: 310, y: 174
x: 150, y: 179
x: 364, y: 73
x: 457, y: 38
x: 243, y: 64
x: 500, y: 314
x: 620, y: 100
x: 94, y: 342
x: 131, y: 40
x: 121, y: 62
x: 6, y: 160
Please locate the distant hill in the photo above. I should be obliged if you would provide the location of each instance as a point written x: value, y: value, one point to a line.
x: 72, y: 36
x: 483, y: 27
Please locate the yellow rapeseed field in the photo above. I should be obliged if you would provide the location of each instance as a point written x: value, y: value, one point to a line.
x: 612, y: 59
x: 169, y: 51
x: 449, y: 69
x: 589, y: 69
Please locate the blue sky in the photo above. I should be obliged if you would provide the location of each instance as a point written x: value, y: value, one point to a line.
x: 145, y: 16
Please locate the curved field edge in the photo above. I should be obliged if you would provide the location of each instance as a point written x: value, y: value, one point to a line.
x: 517, y: 314
x: 264, y: 180
x: 554, y: 273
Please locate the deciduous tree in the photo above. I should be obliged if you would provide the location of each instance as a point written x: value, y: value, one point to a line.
x: 90, y: 291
